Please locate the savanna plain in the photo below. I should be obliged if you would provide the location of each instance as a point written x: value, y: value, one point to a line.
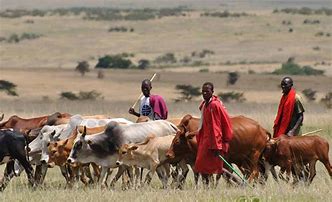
x: 253, y: 45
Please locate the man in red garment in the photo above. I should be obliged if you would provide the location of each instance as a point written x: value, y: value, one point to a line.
x: 290, y: 111
x: 214, y: 134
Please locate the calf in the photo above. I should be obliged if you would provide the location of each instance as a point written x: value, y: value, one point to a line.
x: 13, y: 146
x: 295, y: 152
x: 150, y: 154
x: 58, y: 154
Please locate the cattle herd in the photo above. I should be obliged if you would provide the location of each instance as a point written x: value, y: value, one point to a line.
x: 89, y: 148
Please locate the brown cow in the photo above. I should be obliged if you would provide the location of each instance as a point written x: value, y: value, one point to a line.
x: 295, y: 152
x: 245, y: 148
x: 26, y: 125
x: 58, y: 154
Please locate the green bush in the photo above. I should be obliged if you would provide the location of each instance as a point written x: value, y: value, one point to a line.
x: 187, y: 92
x: 168, y: 58
x: 143, y: 64
x: 113, y: 61
x: 82, y: 67
x: 232, y: 97
x: 82, y: 95
x: 69, y: 95
x: 8, y: 87
x: 309, y: 94
x: 291, y: 68
x: 232, y: 78
x: 327, y: 100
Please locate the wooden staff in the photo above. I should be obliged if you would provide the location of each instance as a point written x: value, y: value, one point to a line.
x: 315, y: 131
x: 139, y: 97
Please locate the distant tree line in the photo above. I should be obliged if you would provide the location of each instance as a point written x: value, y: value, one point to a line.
x: 15, y: 38
x: 100, y: 13
x: 305, y: 11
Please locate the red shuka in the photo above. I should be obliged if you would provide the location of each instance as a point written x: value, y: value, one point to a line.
x: 158, y: 105
x: 285, y: 113
x: 215, y: 134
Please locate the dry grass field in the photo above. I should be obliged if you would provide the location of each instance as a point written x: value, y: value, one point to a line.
x: 44, y: 67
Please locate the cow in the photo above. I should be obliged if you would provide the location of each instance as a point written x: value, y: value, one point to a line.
x: 102, y: 148
x: 245, y: 148
x: 151, y: 154
x: 58, y: 154
x: 295, y: 152
x: 55, y: 133
x: 13, y: 146
x: 26, y: 125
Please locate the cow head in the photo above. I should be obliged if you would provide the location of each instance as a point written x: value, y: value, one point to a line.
x: 126, y: 153
x: 270, y: 150
x: 180, y: 145
x: 58, y: 153
x: 80, y: 145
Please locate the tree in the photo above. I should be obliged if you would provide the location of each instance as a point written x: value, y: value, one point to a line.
x: 327, y: 100
x: 82, y: 67
x: 188, y: 92
x: 232, y: 78
x: 8, y: 87
x: 309, y: 94
x: 113, y: 61
x: 143, y: 64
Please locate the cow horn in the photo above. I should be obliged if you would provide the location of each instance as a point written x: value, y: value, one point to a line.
x: 2, y: 116
x: 84, y: 131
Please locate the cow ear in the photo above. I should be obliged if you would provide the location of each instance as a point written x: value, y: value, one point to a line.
x: 134, y: 147
x: 190, y: 135
x: 53, y: 133
x: 65, y: 142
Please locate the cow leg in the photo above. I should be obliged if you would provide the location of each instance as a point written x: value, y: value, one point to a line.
x: 104, y: 176
x: 253, y: 168
x: 18, y: 168
x: 40, y: 173
x: 28, y: 169
x: 8, y: 175
x: 205, y: 179
x: 121, y: 169
x: 65, y: 174
x: 288, y: 169
x: 218, y: 176
x: 274, y: 173
x: 86, y: 176
x: 312, y: 166
x: 96, y: 171
x: 325, y: 160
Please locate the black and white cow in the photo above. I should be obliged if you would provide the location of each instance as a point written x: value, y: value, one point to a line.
x: 13, y: 146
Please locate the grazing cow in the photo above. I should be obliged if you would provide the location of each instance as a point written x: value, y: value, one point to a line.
x: 58, y: 154
x: 151, y: 154
x: 295, y: 152
x: 102, y: 148
x: 245, y: 148
x: 13, y: 146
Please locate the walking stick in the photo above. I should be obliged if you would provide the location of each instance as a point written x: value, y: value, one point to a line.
x: 139, y: 97
x: 233, y: 169
x: 315, y: 131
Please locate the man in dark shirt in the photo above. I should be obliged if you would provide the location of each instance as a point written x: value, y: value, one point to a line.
x: 290, y: 111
